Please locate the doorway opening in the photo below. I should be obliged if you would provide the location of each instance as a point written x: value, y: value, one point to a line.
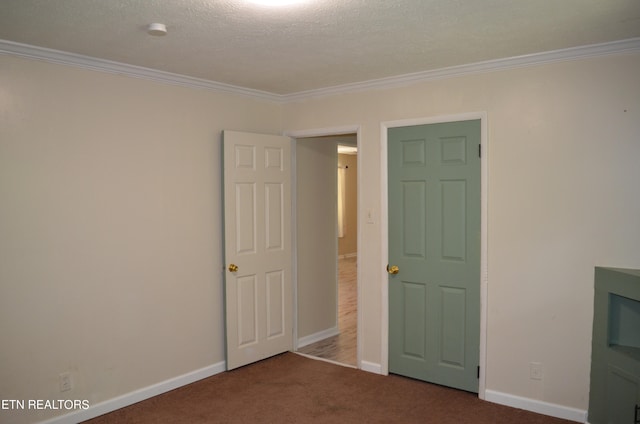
x: 326, y: 247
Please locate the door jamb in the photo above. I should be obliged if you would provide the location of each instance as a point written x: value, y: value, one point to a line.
x: 319, y: 132
x: 384, y: 233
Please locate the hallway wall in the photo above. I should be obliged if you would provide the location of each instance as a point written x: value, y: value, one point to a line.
x: 348, y: 245
x: 317, y: 251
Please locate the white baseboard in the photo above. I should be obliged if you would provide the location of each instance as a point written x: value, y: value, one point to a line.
x: 316, y: 337
x: 371, y: 367
x: 537, y: 406
x: 138, y: 395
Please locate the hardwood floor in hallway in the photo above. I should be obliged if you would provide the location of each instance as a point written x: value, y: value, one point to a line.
x: 343, y: 347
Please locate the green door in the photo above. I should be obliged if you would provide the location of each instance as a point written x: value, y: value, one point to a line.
x: 434, y: 240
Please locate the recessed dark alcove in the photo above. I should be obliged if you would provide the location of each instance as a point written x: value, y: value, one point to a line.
x: 624, y: 325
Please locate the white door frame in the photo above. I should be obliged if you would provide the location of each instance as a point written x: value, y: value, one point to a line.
x: 319, y: 132
x: 384, y: 233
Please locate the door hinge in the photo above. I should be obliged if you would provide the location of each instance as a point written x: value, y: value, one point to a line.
x: 479, y: 150
x: 478, y: 372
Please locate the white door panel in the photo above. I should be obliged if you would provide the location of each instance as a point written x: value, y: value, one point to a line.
x: 257, y: 216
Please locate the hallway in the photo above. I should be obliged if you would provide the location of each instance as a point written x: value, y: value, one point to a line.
x: 342, y: 348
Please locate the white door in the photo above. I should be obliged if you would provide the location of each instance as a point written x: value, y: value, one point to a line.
x: 257, y: 228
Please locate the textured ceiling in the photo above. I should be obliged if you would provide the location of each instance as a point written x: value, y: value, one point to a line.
x: 318, y: 44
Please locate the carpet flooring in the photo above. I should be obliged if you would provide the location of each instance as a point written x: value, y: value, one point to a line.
x: 290, y: 388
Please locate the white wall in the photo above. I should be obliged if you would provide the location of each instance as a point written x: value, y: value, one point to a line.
x: 563, y: 149
x: 110, y: 230
x: 317, y: 244
x: 110, y: 221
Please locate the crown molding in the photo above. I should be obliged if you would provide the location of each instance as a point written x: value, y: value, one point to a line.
x: 102, y: 65
x: 631, y: 45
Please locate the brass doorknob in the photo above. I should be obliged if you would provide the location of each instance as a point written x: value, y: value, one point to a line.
x: 233, y: 268
x: 393, y: 269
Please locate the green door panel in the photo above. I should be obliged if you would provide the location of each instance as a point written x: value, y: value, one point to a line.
x: 623, y: 393
x: 434, y: 238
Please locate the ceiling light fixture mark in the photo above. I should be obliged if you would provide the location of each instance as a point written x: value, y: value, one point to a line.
x: 157, y: 29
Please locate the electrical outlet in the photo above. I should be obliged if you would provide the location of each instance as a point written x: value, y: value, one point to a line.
x: 65, y: 382
x: 535, y: 370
